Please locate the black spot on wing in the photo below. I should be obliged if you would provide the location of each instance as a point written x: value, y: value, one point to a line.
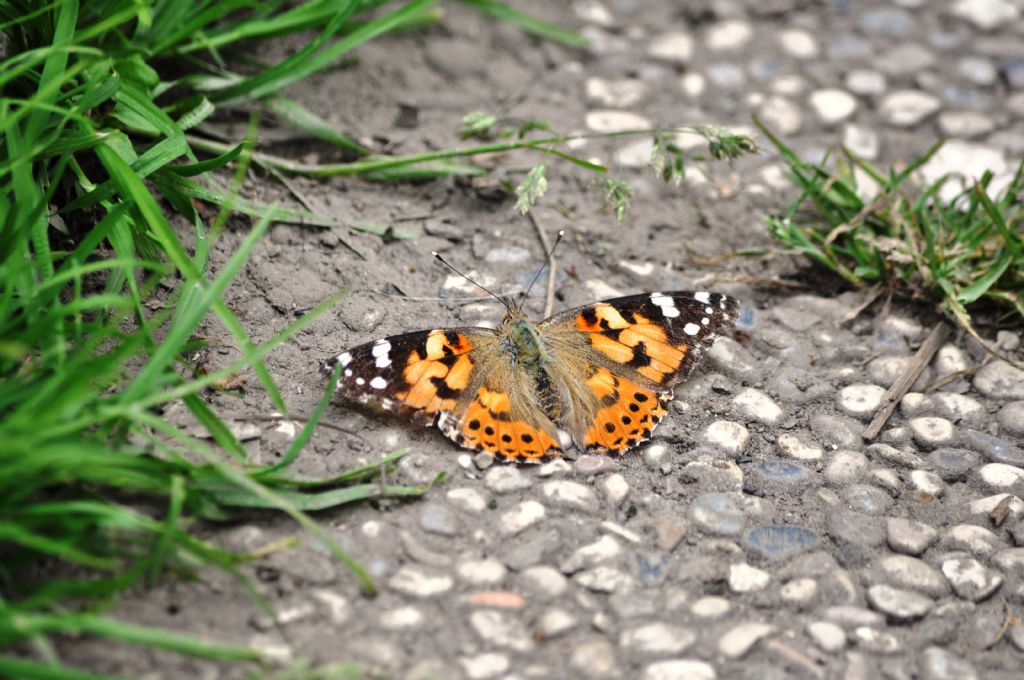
x: 640, y: 357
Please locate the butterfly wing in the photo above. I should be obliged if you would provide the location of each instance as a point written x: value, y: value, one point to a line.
x: 457, y: 379
x: 419, y: 375
x: 621, y: 358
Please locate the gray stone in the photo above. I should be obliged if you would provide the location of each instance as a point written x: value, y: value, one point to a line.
x: 467, y: 499
x: 718, y: 513
x: 593, y: 658
x: 501, y: 630
x: 833, y: 105
x: 604, y: 580
x: 860, y: 400
x: 675, y: 46
x: 542, y: 581
x: 556, y: 622
x: 417, y: 582
x: 900, y: 606
x: 800, y: 592
x: 781, y: 114
x: 437, y: 519
x: 906, y: 108
x: 828, y: 636
x: 869, y: 500
x: 978, y: 70
x: 837, y: 432
x: 488, y: 572
x: 970, y: 579
x: 927, y: 483
x: 953, y: 465
x: 965, y: 124
x: 904, y: 571
x: 887, y: 21
x: 728, y: 35
x: 744, y: 578
x: 909, y: 537
x: 931, y: 432
x: 849, y: 617
x: 1002, y: 477
x: 995, y: 449
x: 679, y: 669
x: 523, y: 515
x: 865, y: 82
x: 846, y: 526
x: 1011, y: 418
x: 603, y: 550
x: 657, y: 639
x: 940, y: 664
x: 738, y: 641
x: 572, y: 495
x: 756, y: 405
x: 999, y: 380
x: 863, y: 142
x: 778, y: 473
x: 845, y: 467
x: 895, y: 456
x: 506, y: 479
x: 779, y: 541
x: 974, y: 539
x: 987, y: 15
x: 794, y: 447
x: 906, y: 59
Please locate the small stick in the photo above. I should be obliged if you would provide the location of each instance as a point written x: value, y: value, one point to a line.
x: 899, y: 388
x: 549, y: 300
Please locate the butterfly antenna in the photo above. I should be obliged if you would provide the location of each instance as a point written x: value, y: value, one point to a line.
x: 547, y: 262
x: 447, y: 264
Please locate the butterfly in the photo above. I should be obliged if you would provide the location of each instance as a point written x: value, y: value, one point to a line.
x: 598, y: 376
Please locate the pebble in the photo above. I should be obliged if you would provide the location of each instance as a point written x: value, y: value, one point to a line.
x: 900, y: 606
x: 996, y: 449
x: 906, y: 108
x: 867, y: 499
x: 523, y: 515
x: 593, y: 658
x: 728, y: 35
x: 469, y: 500
x: 604, y: 580
x: 711, y: 607
x: 484, y: 666
x: 887, y: 479
x: 861, y: 141
x: 965, y: 124
x: 501, y: 630
x: 953, y: 465
x: 887, y: 21
x: 555, y: 622
x: 757, y: 405
x: 486, y: 572
x: 1000, y: 380
x: 674, y: 46
x: 850, y: 617
x: 1011, y: 418
x: 572, y: 495
x: 616, y: 488
x: 744, y: 578
x: 950, y: 359
x: 966, y: 161
x: 845, y: 467
x: 737, y: 642
x: 403, y: 617
x: 987, y: 15
x: 895, y: 456
x: 876, y: 641
x: 930, y: 432
x: 1001, y: 476
x: 781, y: 114
x: 727, y: 436
x: 906, y: 59
x: 679, y: 669
x: 800, y: 592
x: 792, y: 446
x: 1010, y: 560
x: 865, y: 82
x: 602, y: 550
x: 718, y: 513
x: 437, y: 519
x: 860, y: 400
x: 338, y: 608
x: 798, y: 43
x: 559, y: 466
x: 779, y: 541
x: 927, y: 483
x: 856, y: 528
x: 903, y: 571
x: 416, y: 582
x: 828, y: 636
x: 657, y: 639
x: 974, y: 539
x: 970, y: 579
x: 506, y: 479
x: 833, y: 105
x: 542, y: 581
x: 908, y: 536
x: 940, y: 664
x: 607, y: 120
x: 621, y: 93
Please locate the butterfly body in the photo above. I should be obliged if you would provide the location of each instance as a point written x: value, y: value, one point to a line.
x: 598, y: 376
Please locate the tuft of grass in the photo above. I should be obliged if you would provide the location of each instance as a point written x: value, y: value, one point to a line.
x: 960, y: 253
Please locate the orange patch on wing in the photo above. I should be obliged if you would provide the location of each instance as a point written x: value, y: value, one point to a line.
x: 644, y: 346
x: 612, y: 349
x: 627, y: 416
x: 421, y: 372
x: 486, y: 427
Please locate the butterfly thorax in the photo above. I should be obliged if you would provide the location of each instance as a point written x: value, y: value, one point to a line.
x: 528, y: 352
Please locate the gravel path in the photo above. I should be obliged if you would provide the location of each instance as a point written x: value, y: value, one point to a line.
x: 758, y: 535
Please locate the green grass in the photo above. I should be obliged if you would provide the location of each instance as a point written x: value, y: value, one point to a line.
x: 964, y: 254
x: 104, y: 107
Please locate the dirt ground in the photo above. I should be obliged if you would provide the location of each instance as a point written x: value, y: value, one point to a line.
x: 463, y: 593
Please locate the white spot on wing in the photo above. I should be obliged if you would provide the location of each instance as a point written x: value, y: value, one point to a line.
x: 360, y: 382
x: 344, y: 359
x: 702, y: 296
x: 709, y: 310
x: 668, y: 307
x: 705, y: 321
x: 383, y: 361
x: 378, y: 383
x: 380, y: 348
x: 564, y: 439
x: 691, y: 329
x: 348, y: 372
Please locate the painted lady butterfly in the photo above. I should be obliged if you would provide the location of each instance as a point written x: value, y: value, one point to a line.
x: 599, y: 376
